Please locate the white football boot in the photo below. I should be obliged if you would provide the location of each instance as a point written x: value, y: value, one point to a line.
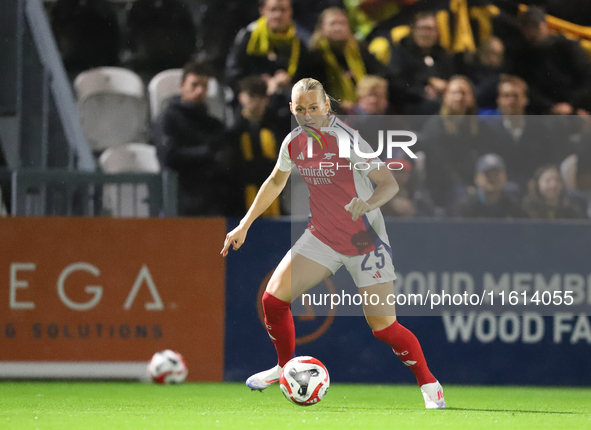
x: 260, y: 381
x: 433, y: 395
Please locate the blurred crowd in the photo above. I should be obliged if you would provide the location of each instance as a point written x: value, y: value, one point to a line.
x: 499, y: 97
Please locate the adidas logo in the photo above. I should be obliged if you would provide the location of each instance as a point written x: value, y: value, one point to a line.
x: 377, y: 275
x: 301, y: 156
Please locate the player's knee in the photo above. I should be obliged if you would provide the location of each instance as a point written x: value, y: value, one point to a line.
x: 379, y: 323
x: 279, y: 289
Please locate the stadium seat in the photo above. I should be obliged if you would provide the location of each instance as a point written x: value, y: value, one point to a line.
x: 112, y: 106
x: 162, y: 88
x: 219, y: 98
x: 130, y: 158
x: 568, y: 171
x: 3, y: 211
x: 166, y: 85
x: 128, y: 200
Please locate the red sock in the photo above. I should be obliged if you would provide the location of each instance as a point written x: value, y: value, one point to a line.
x: 279, y: 323
x: 407, y: 348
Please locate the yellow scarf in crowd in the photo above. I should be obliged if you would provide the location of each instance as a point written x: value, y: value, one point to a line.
x: 262, y: 41
x: 457, y: 39
x: 269, y: 151
x: 341, y: 85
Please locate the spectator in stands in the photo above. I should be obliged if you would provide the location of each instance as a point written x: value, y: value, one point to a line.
x: 255, y: 137
x: 371, y: 114
x: 452, y: 142
x: 372, y: 96
x: 547, y: 198
x: 271, y: 48
x: 524, y: 142
x: 307, y: 12
x: 188, y: 141
x: 489, y: 199
x: 554, y: 67
x: 483, y: 67
x: 420, y: 67
x: 346, y: 61
x: 491, y: 54
x: 409, y: 201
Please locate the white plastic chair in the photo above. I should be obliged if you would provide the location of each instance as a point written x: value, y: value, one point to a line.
x: 164, y: 86
x: 568, y: 171
x: 130, y: 158
x: 128, y: 200
x: 113, y: 107
x: 3, y: 211
x: 218, y: 101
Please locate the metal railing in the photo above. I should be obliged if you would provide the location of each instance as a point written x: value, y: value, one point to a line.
x: 39, y: 121
x: 67, y: 193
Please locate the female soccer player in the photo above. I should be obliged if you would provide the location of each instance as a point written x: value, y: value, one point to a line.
x: 345, y: 226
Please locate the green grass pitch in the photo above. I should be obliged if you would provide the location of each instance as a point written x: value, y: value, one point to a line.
x: 114, y: 405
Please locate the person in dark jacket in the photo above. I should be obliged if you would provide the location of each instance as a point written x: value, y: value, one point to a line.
x: 255, y: 138
x: 189, y: 142
x: 555, y: 67
x: 271, y: 48
x: 547, y: 198
x: 419, y: 68
x: 489, y: 199
x: 484, y: 67
x: 525, y: 142
x: 452, y: 142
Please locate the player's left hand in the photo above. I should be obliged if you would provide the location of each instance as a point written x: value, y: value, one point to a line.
x: 357, y: 207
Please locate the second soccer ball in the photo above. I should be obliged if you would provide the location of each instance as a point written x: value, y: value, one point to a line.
x: 168, y: 367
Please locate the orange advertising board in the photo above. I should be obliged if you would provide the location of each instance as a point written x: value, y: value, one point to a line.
x: 112, y: 290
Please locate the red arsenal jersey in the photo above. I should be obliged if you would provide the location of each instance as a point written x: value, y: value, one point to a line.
x: 333, y: 182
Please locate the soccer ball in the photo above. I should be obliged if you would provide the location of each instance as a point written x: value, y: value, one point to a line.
x: 304, y: 380
x: 168, y: 367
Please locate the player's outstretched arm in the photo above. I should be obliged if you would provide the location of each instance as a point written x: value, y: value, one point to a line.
x: 386, y: 188
x: 267, y: 194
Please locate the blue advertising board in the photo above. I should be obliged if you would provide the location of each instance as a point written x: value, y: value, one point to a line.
x: 472, y: 346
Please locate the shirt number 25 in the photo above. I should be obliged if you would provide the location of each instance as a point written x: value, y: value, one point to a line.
x: 379, y: 264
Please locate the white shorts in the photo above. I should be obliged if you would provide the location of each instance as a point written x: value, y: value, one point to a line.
x: 368, y: 269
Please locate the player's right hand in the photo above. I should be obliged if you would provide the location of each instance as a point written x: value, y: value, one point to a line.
x: 235, y: 238
x: 357, y: 207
